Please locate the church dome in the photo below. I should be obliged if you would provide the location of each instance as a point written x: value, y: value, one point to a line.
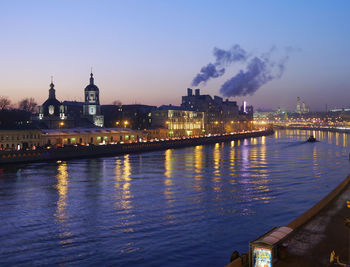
x: 91, y: 86
x: 51, y: 106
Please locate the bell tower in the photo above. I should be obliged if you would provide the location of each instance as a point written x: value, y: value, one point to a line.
x: 92, y: 108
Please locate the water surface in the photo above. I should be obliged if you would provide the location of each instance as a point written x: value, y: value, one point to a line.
x: 180, y: 207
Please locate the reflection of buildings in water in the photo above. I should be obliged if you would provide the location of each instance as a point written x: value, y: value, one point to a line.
x: 94, y: 169
x: 62, y: 189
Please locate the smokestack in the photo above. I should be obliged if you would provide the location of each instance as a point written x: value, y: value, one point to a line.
x: 189, y: 91
x: 197, y: 92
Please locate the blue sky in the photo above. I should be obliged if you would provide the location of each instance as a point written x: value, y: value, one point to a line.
x: 149, y: 51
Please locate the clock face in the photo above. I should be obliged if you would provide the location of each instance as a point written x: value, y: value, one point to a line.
x: 51, y: 109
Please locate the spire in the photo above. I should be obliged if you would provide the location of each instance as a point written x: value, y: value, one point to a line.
x: 52, y: 94
x: 91, y: 78
x: 51, y: 84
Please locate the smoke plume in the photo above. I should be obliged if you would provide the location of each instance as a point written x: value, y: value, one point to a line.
x: 222, y: 59
x: 259, y: 70
x: 207, y: 72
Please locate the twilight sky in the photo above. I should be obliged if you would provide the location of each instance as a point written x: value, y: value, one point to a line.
x: 148, y: 51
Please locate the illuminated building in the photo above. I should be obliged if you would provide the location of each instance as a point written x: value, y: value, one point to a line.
x: 16, y: 139
x: 301, y: 108
x: 29, y: 138
x: 218, y: 114
x: 178, y: 121
x: 73, y: 113
x: 92, y: 108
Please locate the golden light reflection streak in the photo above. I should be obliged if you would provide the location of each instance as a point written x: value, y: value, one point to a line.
x: 123, y: 183
x: 216, y: 156
x: 315, y: 165
x: 62, y: 188
x: 168, y: 182
x: 216, y: 172
x: 337, y: 138
x: 262, y: 181
x: 198, y: 164
x: 232, y: 163
x: 345, y: 139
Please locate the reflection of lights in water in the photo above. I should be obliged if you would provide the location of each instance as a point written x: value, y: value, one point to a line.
x: 232, y: 143
x: 62, y: 188
x: 123, y: 192
x: 168, y: 168
x: 315, y: 165
x: 337, y: 139
x: 216, y: 157
x: 168, y: 175
x: 232, y: 163
x: 330, y: 137
x: 198, y: 164
x: 345, y: 140
x: 263, y: 140
x: 245, y: 158
x: 123, y: 172
x: 216, y: 166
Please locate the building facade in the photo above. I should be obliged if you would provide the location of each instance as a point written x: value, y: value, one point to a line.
x: 35, y: 138
x: 20, y: 139
x: 53, y: 114
x: 217, y: 112
x: 92, y: 108
x: 178, y: 121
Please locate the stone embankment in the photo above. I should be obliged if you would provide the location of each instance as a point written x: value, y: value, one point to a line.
x: 320, y: 236
x: 75, y: 151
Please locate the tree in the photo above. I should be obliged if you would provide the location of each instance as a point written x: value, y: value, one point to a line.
x: 117, y: 103
x: 27, y: 104
x: 5, y: 103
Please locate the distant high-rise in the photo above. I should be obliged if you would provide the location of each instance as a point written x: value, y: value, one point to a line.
x: 298, y: 110
x: 301, y: 108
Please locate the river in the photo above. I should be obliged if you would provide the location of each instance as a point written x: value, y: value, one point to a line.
x: 180, y: 207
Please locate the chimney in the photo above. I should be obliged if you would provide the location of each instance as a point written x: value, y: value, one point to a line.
x: 189, y: 91
x: 197, y: 92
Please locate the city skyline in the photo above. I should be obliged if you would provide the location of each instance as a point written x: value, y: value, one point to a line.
x: 140, y: 50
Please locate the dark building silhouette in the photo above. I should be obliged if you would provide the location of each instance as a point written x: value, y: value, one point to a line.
x: 137, y: 117
x: 217, y: 112
x: 54, y: 114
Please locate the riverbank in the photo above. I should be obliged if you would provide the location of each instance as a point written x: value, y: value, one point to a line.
x: 320, y: 236
x: 325, y: 129
x: 71, y: 152
x: 321, y: 231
